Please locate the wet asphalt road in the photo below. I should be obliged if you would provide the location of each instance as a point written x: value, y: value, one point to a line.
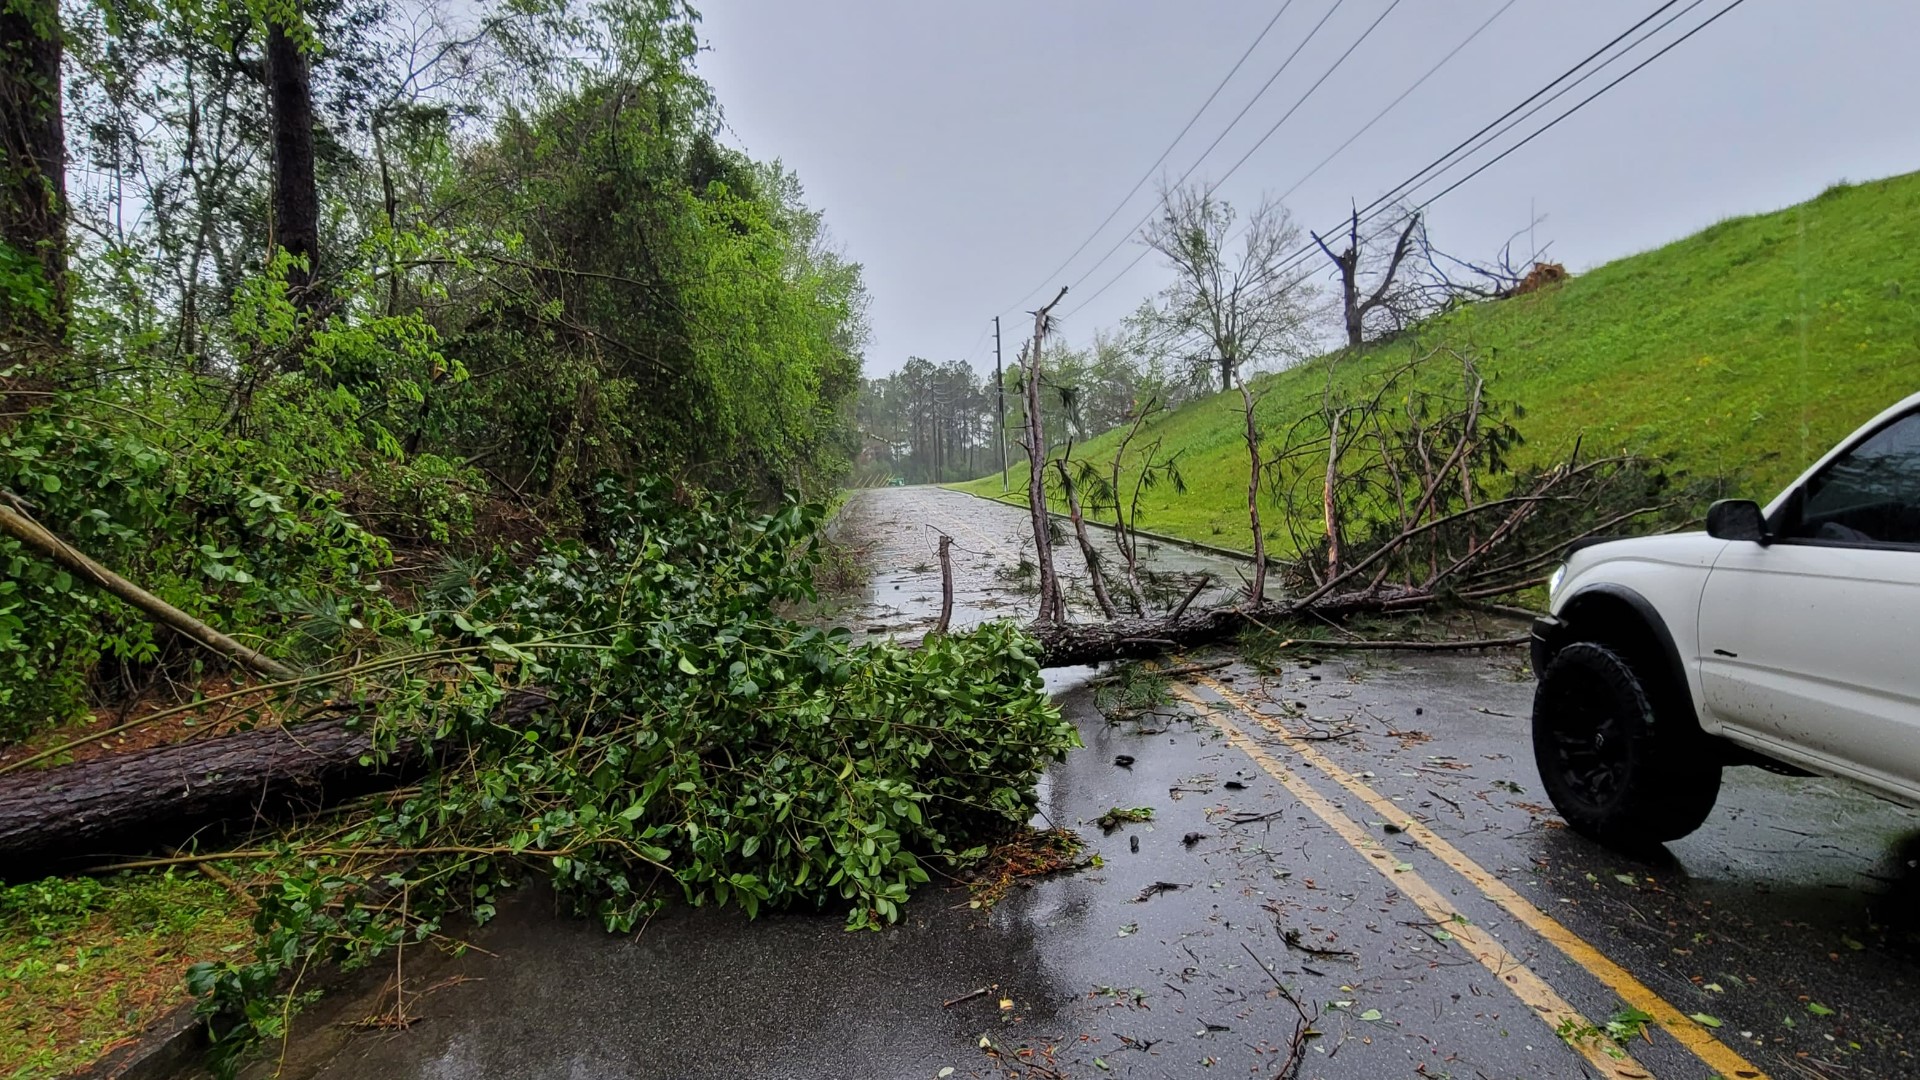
x: 1370, y: 832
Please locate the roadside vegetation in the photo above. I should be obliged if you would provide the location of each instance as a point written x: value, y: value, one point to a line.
x: 84, y: 961
x: 1732, y: 358
x: 436, y: 379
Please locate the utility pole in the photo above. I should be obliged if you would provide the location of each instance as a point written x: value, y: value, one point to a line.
x: 1000, y: 388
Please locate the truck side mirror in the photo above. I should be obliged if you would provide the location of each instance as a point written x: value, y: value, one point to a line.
x: 1738, y: 519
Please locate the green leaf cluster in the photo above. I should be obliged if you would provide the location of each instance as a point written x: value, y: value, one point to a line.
x: 696, y: 744
x: 206, y: 523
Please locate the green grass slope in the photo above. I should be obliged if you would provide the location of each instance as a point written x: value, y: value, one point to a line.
x: 1742, y: 352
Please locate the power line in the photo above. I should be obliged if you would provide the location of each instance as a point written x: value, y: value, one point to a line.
x: 1145, y: 176
x: 1439, y: 166
x: 1395, y: 103
x: 1377, y: 117
x: 1473, y: 143
x: 1715, y: 17
x: 1482, y: 144
x: 1303, y: 97
x: 1377, y: 208
x: 1443, y: 159
x: 1284, y: 64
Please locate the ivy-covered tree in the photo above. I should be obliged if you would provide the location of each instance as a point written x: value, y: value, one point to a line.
x: 33, y: 194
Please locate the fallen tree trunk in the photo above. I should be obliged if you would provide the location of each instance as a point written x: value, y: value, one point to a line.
x: 1073, y: 644
x: 126, y: 804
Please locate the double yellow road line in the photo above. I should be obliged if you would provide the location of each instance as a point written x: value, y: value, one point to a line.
x: 1529, y: 987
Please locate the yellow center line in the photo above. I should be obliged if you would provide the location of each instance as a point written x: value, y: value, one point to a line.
x: 1689, y: 1033
x: 1529, y: 988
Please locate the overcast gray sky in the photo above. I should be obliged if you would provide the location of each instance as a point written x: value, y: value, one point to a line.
x: 962, y: 150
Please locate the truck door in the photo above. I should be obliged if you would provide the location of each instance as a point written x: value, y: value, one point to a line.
x: 1813, y: 640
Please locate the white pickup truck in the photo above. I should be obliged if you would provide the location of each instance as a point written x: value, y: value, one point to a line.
x: 1786, y: 637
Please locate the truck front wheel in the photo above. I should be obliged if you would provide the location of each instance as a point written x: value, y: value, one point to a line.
x: 1620, y: 768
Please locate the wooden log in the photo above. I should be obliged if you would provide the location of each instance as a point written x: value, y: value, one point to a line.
x: 946, y: 584
x: 126, y: 804
x: 1074, y: 644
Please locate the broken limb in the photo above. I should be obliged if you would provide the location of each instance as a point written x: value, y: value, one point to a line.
x: 15, y: 522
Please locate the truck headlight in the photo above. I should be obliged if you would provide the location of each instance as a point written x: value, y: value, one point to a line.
x: 1553, y: 583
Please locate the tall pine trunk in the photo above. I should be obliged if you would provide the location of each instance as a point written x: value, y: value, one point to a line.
x: 33, y: 175
x: 296, y: 197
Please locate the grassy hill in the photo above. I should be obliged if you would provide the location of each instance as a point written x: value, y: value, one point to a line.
x: 1741, y: 352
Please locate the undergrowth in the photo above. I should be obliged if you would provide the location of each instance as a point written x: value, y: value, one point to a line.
x: 85, y: 962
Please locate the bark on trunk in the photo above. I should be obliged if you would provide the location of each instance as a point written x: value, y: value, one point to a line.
x: 946, y: 584
x: 33, y: 170
x: 296, y: 197
x: 1072, y: 644
x: 126, y: 804
x: 1329, y: 503
x: 1052, y: 607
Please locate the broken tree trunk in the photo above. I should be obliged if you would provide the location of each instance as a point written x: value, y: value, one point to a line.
x: 125, y: 804
x: 1257, y: 588
x: 946, y: 584
x: 37, y: 537
x: 1052, y: 606
x: 1073, y: 644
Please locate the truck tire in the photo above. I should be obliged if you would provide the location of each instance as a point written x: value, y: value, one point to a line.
x: 1620, y: 762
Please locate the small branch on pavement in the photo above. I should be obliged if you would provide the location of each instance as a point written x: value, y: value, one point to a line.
x: 1205, y: 579
x: 1302, y: 1028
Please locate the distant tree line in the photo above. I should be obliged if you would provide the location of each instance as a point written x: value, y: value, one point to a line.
x: 938, y: 423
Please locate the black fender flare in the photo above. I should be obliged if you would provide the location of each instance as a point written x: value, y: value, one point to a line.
x: 1615, y: 607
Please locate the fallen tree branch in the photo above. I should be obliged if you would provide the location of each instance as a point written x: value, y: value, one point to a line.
x: 1410, y: 646
x: 1191, y: 594
x: 1168, y: 673
x: 15, y: 522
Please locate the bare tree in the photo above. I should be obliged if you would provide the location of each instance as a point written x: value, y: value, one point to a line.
x: 1052, y: 606
x: 1228, y: 306
x: 1374, y: 285
x: 1391, y: 275
x: 1232, y: 308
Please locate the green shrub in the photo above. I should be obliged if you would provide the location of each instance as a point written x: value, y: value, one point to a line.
x: 696, y: 744
x: 210, y: 526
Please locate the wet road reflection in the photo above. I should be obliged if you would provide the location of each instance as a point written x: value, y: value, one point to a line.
x: 1788, y: 921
